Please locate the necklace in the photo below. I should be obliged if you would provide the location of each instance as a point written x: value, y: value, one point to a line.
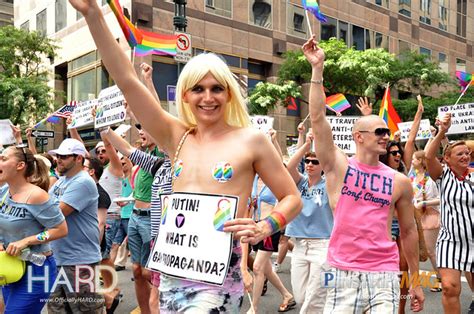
x: 460, y: 177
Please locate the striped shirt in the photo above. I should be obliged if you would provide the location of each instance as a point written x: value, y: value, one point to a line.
x: 161, y: 184
x: 455, y: 246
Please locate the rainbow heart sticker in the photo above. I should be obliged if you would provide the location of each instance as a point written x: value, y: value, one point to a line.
x: 222, y: 214
x: 222, y: 171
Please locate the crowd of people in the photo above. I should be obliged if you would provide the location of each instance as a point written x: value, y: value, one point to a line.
x: 354, y: 223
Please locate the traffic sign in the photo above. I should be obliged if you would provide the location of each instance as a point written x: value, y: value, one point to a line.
x: 37, y: 133
x: 184, y: 48
x: 41, y: 141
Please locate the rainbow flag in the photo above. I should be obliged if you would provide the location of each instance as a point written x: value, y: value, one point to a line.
x: 464, y: 78
x: 132, y: 34
x: 337, y: 102
x: 313, y: 7
x: 158, y: 44
x: 387, y: 112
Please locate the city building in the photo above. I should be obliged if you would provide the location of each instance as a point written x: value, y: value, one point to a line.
x: 252, y: 35
x: 6, y: 12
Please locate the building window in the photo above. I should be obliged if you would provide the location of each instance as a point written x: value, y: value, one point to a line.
x: 329, y: 29
x: 344, y: 31
x: 383, y: 3
x: 41, y: 22
x: 358, y: 38
x: 404, y: 7
x: 296, y: 21
x: 381, y: 41
x: 426, y: 52
x: 443, y: 14
x: 461, y: 17
x: 219, y: 7
x: 443, y: 62
x: 60, y: 14
x: 460, y: 65
x: 425, y: 11
x: 261, y: 13
x: 25, y: 26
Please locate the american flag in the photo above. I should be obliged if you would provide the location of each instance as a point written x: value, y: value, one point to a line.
x: 66, y: 110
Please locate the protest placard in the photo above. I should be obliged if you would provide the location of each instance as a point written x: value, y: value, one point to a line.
x: 342, y: 132
x: 423, y: 132
x: 191, y: 243
x: 462, y: 117
x: 110, y: 109
x: 6, y: 132
x: 122, y: 129
x: 262, y: 123
x: 82, y: 114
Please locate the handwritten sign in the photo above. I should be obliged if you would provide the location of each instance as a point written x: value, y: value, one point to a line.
x: 82, y: 114
x: 423, y: 132
x: 110, y: 109
x: 462, y: 118
x: 342, y: 132
x: 262, y: 123
x: 6, y: 132
x: 191, y: 243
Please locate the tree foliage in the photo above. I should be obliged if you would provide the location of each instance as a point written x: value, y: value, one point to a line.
x: 351, y: 71
x: 24, y: 93
x: 265, y: 95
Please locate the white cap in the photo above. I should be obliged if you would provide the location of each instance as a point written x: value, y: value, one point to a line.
x: 68, y: 147
x: 99, y: 144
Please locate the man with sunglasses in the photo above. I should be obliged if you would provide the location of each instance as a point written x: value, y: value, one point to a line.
x: 78, y: 198
x: 363, y: 193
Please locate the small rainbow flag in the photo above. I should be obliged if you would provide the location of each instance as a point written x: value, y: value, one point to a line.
x: 313, y: 7
x: 337, y: 102
x: 464, y: 78
x: 387, y: 112
x: 132, y: 34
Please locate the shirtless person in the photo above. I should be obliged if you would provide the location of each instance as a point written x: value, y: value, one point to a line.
x: 363, y: 194
x: 212, y: 107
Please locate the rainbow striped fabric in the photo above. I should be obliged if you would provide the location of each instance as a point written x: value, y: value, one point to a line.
x: 337, y: 102
x: 464, y: 78
x: 387, y: 112
x: 313, y: 7
x: 144, y: 42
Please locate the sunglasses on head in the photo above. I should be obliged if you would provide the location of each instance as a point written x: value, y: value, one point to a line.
x: 313, y: 161
x: 395, y: 152
x: 379, y: 131
x: 63, y: 157
x: 23, y: 149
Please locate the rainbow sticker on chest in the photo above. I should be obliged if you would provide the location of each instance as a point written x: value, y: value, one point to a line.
x: 178, y: 168
x: 222, y: 171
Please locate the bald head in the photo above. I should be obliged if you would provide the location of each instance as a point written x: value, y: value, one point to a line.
x: 366, y: 123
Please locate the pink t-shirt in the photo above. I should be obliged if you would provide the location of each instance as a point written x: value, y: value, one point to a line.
x: 360, y: 240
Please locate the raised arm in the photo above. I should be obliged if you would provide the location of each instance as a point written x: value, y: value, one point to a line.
x: 295, y: 160
x: 31, y: 141
x: 165, y: 128
x: 115, y: 164
x: 435, y: 168
x: 117, y: 141
x: 364, y: 106
x: 273, y: 137
x: 147, y: 72
x: 301, y: 132
x: 328, y: 154
x: 410, y: 144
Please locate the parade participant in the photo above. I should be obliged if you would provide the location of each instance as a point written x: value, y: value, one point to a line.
x: 363, y: 194
x: 311, y: 229
x: 29, y: 218
x: 213, y: 130
x: 79, y: 252
x: 454, y: 248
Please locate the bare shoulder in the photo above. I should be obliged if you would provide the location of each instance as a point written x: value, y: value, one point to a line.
x: 38, y: 196
x: 403, y: 185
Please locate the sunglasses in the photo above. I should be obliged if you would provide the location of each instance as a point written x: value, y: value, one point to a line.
x: 23, y: 149
x: 313, y: 161
x: 379, y: 131
x: 138, y: 126
x: 395, y: 152
x: 64, y: 157
x: 100, y: 151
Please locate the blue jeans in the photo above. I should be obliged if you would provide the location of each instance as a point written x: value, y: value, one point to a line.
x: 122, y: 231
x: 17, y: 298
x: 139, y: 237
x: 111, y: 229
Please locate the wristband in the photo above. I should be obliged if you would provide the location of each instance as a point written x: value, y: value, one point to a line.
x: 276, y: 221
x: 43, y: 236
x: 317, y: 82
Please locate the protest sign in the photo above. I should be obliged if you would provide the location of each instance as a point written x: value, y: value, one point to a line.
x: 423, y: 132
x: 6, y: 132
x: 342, y: 132
x: 462, y: 117
x: 191, y: 243
x: 82, y: 114
x: 110, y: 109
x: 122, y: 129
x: 263, y: 123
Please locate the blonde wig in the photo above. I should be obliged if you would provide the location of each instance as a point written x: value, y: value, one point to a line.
x: 193, y: 72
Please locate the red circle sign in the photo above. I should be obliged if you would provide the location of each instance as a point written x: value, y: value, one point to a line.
x: 182, y: 42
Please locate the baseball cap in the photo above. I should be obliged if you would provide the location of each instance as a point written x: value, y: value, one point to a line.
x: 68, y: 147
x: 99, y: 144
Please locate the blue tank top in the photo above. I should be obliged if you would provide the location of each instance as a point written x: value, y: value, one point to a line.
x: 265, y: 195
